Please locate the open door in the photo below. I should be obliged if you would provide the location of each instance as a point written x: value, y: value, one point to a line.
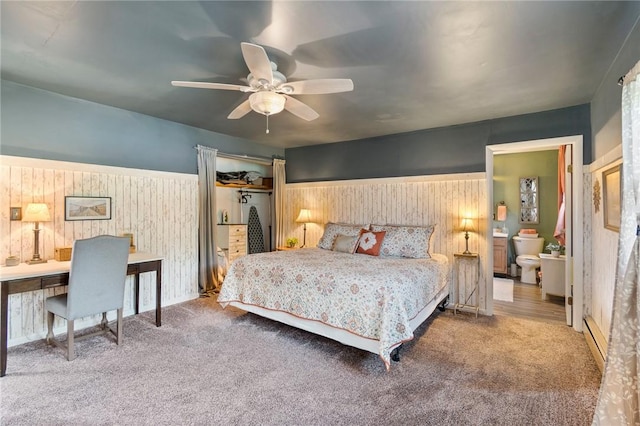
x: 568, y: 229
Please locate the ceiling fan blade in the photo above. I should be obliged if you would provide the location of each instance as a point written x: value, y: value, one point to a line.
x: 240, y: 111
x: 220, y: 86
x: 257, y: 61
x: 299, y: 109
x: 318, y: 87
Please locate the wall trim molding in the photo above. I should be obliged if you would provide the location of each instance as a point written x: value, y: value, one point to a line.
x: 386, y: 180
x: 613, y: 156
x: 40, y: 163
x: 596, y: 341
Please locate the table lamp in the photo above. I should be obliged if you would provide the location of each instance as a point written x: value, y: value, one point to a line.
x: 36, y: 212
x: 304, y: 217
x: 467, y: 226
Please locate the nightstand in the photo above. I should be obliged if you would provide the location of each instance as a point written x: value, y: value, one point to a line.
x: 285, y: 248
x: 232, y: 238
x: 467, y: 277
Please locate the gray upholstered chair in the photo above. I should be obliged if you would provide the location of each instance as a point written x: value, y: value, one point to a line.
x: 96, y: 285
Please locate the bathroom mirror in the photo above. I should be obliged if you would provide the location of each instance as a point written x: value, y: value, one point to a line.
x: 529, y: 200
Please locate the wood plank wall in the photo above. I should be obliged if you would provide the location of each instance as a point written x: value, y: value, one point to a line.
x: 442, y: 200
x: 159, y: 208
x: 603, y: 259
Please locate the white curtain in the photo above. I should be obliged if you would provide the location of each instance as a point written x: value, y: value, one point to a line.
x: 207, y: 250
x: 619, y: 400
x: 279, y: 182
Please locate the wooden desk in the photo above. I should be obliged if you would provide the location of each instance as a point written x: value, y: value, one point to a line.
x: 23, y: 278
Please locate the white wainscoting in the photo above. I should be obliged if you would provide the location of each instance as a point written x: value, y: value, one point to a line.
x: 587, y: 240
x: 442, y: 200
x: 159, y: 208
x: 604, y: 255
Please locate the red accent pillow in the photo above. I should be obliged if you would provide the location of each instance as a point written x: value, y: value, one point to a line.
x: 370, y: 242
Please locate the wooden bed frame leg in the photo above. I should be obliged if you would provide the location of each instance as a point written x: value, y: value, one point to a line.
x: 395, y: 354
x: 443, y: 304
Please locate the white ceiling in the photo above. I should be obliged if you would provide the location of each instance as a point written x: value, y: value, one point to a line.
x: 415, y: 65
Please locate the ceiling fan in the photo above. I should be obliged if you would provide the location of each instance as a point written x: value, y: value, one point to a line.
x: 270, y: 90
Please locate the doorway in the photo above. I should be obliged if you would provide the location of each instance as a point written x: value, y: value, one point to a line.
x: 574, y: 226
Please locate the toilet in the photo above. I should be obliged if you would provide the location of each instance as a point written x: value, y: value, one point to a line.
x: 527, y: 250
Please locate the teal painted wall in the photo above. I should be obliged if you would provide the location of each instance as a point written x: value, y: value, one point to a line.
x: 445, y: 150
x: 606, y: 116
x: 41, y: 124
x: 507, y: 171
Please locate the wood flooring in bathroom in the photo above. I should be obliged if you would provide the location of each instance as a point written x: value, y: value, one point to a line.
x: 528, y: 303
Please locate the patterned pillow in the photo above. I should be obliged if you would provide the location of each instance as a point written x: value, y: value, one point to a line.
x: 405, y: 241
x: 345, y: 243
x: 332, y: 230
x: 370, y: 242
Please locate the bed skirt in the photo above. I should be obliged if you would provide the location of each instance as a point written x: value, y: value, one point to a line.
x: 338, y: 334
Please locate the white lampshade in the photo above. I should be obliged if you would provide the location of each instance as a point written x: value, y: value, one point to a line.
x: 267, y: 103
x: 467, y: 225
x: 304, y: 216
x: 36, y: 212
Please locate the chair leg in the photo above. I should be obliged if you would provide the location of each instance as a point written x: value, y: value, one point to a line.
x: 119, y: 327
x: 49, y: 328
x: 71, y: 352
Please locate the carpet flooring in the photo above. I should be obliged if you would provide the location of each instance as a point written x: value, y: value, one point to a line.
x: 206, y: 365
x: 502, y: 289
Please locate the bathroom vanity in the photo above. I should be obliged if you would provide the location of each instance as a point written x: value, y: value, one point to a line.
x: 500, y: 253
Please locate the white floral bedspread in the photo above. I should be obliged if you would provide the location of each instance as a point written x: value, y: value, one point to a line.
x: 373, y: 297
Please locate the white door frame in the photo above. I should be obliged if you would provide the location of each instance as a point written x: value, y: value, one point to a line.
x: 577, y: 265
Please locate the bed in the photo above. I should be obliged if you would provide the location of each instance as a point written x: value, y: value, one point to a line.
x: 370, y: 302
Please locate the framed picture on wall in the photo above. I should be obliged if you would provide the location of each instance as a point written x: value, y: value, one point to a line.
x: 87, y: 208
x: 612, y: 199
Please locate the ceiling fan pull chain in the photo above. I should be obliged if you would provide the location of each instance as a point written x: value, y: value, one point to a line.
x: 267, y: 124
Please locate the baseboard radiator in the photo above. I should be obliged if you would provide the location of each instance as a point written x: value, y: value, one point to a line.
x: 596, y: 342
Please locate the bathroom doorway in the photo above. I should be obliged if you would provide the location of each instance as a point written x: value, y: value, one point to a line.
x: 573, y: 223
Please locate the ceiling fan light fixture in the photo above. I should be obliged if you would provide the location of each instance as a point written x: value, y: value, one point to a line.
x: 267, y: 103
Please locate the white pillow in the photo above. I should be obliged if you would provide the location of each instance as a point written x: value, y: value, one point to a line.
x: 332, y: 230
x: 406, y: 241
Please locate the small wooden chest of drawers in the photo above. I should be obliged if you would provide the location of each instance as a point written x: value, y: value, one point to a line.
x: 233, y: 239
